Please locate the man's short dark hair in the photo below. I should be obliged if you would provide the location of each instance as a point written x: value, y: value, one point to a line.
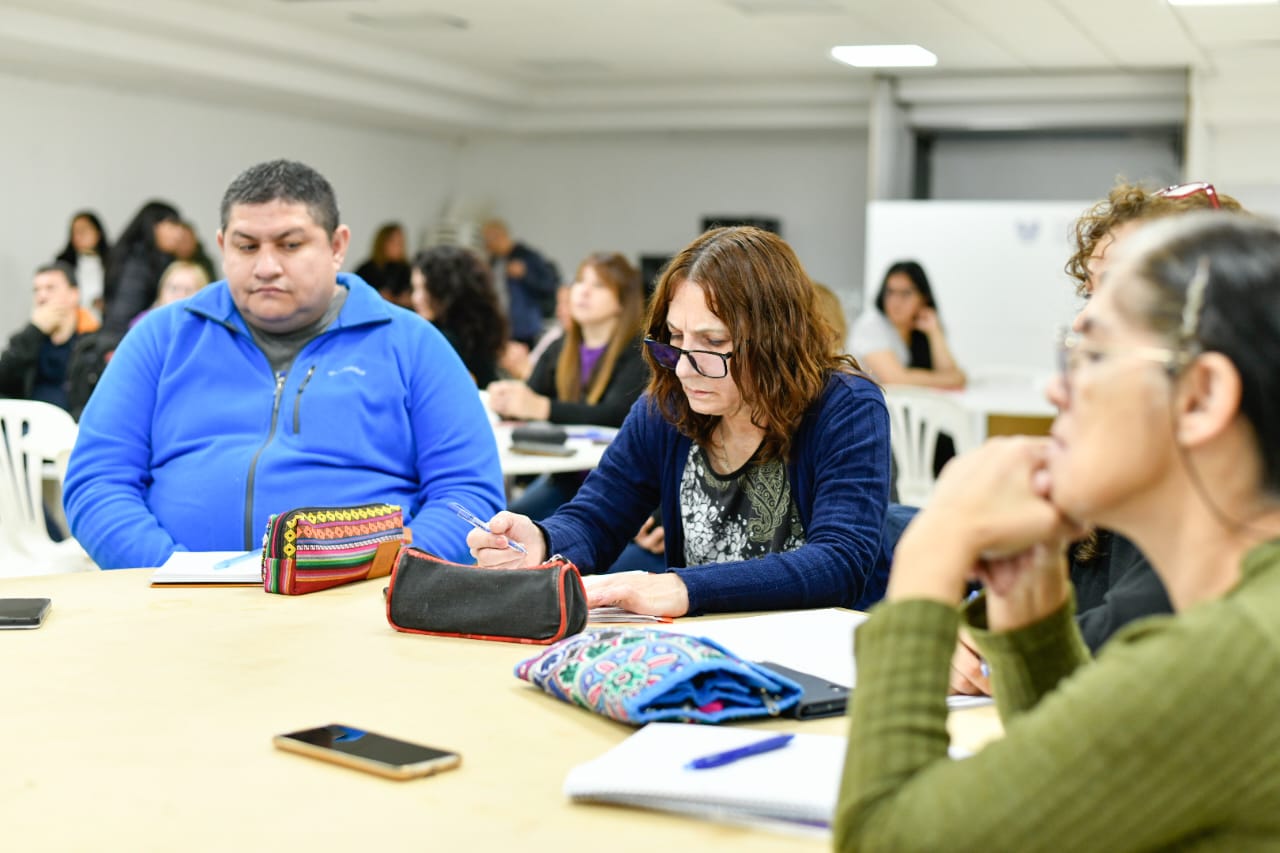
x: 288, y: 181
x: 63, y: 267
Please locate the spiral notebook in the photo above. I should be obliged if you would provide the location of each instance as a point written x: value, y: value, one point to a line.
x: 797, y: 784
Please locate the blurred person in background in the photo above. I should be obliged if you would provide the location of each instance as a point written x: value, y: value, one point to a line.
x: 452, y: 289
x: 591, y: 375
x: 1113, y: 581
x: 36, y: 363
x: 524, y: 280
x: 387, y: 267
x: 147, y: 245
x: 902, y: 342
x: 87, y: 252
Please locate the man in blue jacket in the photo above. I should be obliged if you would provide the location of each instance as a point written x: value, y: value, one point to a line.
x: 286, y: 385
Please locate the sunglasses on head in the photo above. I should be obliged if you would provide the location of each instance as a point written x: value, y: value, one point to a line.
x: 1188, y: 190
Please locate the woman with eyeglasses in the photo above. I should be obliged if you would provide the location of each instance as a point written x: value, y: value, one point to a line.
x: 767, y: 453
x: 1168, y: 432
x: 902, y: 342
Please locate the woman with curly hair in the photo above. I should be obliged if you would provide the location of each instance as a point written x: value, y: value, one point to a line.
x: 1114, y: 583
x: 766, y: 451
x: 452, y: 289
x: 1169, y: 432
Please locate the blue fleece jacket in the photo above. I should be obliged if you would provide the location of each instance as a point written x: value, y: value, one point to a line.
x: 839, y: 478
x: 189, y: 441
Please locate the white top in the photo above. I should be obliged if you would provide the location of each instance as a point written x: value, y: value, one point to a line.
x: 872, y: 332
x: 89, y: 276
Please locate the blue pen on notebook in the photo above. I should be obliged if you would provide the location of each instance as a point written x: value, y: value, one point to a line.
x: 719, y: 759
x: 475, y: 521
x: 239, y: 558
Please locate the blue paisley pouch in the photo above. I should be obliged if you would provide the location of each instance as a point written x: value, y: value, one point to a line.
x: 640, y: 676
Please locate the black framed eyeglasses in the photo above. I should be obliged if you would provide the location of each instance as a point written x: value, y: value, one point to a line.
x: 713, y: 365
x: 1187, y: 190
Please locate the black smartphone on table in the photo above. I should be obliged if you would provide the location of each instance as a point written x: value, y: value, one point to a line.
x: 365, y: 750
x: 18, y: 613
x: 821, y: 697
x: 538, y: 448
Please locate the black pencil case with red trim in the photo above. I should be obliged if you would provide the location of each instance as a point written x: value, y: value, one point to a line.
x: 538, y: 604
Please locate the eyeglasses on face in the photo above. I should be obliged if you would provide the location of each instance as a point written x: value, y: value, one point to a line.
x: 1187, y: 190
x: 1075, y: 351
x: 713, y: 365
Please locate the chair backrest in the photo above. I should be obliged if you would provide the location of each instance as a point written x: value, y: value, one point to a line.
x: 33, y: 435
x: 916, y: 417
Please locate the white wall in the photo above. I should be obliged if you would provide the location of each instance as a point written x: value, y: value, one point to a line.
x: 66, y: 147
x: 647, y: 193
x: 1234, y: 125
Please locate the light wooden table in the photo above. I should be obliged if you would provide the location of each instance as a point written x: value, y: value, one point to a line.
x: 141, y: 719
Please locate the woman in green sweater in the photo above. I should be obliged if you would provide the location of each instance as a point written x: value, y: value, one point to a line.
x: 1169, y: 402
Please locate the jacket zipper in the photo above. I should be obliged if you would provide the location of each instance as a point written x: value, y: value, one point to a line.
x: 297, y: 401
x: 253, y: 464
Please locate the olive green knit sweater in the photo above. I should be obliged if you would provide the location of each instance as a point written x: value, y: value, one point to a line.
x: 1170, y: 741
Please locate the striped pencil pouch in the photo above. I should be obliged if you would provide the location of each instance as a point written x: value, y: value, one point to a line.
x: 314, y: 548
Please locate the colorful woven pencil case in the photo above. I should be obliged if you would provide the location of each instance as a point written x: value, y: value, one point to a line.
x: 639, y: 676
x: 538, y: 604
x: 315, y: 548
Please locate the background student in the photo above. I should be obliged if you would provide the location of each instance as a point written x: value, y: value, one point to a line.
x: 591, y: 375
x: 1114, y: 583
x: 902, y: 342
x: 1168, y: 410
x: 452, y: 289
x: 767, y: 453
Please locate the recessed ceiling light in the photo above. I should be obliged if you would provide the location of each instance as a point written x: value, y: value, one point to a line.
x: 884, y: 55
x: 1223, y: 2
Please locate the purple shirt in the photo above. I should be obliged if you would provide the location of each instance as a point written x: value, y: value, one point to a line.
x: 589, y: 357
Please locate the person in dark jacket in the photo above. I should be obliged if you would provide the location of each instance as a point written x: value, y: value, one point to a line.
x: 35, y: 365
x: 147, y: 245
x: 387, y: 267
x: 1113, y: 580
x: 526, y: 281
x: 452, y: 289
x: 591, y: 375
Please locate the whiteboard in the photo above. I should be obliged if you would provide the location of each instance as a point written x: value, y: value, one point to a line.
x: 996, y: 272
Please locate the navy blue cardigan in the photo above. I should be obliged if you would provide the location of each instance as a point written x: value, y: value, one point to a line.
x: 839, y: 477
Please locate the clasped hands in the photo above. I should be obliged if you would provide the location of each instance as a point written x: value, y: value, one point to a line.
x: 991, y: 518
x: 654, y: 594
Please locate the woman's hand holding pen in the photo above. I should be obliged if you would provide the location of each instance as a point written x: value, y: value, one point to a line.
x: 492, y: 548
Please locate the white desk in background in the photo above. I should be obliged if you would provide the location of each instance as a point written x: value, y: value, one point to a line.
x: 1009, y: 404
x: 586, y: 451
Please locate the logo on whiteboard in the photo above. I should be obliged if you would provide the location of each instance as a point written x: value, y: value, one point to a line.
x: 1027, y: 231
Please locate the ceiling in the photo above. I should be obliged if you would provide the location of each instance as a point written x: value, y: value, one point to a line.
x: 549, y: 65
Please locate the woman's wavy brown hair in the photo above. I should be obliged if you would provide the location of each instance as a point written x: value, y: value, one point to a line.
x: 1126, y: 203
x: 624, y: 280
x: 783, y: 351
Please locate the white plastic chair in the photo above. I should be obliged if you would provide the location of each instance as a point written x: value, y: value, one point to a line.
x: 916, y: 417
x: 35, y: 445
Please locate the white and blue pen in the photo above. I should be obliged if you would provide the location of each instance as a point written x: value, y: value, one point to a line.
x: 475, y: 521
